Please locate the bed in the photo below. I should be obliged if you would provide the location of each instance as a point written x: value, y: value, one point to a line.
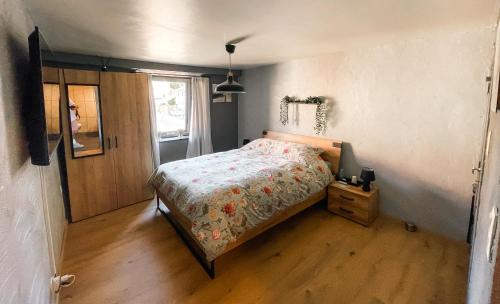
x: 217, y: 202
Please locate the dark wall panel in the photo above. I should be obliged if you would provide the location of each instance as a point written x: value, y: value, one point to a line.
x: 224, y: 116
x: 173, y: 150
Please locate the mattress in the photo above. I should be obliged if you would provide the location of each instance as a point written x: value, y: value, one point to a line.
x: 225, y: 194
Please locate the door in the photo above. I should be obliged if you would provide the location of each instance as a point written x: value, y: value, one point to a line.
x: 91, y: 179
x: 487, y: 193
x: 126, y: 96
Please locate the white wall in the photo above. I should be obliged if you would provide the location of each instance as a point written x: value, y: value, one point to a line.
x: 26, y: 261
x: 412, y: 109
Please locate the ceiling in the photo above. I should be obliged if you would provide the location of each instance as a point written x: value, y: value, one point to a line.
x: 193, y: 32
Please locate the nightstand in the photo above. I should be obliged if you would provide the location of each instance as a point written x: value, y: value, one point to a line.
x: 353, y: 203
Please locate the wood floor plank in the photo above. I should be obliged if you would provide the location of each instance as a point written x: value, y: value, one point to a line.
x: 133, y: 255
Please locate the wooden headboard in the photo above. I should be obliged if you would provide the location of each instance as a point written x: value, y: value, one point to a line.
x: 332, y: 147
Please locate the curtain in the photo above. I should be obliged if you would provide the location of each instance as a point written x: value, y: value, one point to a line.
x: 200, y: 139
x: 155, y: 140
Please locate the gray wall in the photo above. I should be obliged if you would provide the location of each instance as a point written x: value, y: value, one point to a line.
x: 224, y: 123
x: 173, y: 150
x: 224, y: 116
x: 413, y: 109
x: 26, y: 251
x: 92, y: 62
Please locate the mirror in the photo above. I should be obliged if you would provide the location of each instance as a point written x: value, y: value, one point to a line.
x: 85, y: 120
x: 51, y: 104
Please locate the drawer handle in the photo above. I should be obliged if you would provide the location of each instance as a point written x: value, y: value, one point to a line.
x: 346, y: 198
x: 346, y: 211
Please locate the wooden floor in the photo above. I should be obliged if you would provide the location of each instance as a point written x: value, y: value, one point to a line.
x: 133, y: 255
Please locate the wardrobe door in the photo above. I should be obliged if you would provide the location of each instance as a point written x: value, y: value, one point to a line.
x: 91, y: 179
x: 129, y: 95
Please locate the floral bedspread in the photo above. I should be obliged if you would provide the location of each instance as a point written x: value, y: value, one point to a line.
x: 225, y: 194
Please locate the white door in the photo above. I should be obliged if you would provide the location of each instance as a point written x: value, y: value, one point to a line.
x: 487, y: 198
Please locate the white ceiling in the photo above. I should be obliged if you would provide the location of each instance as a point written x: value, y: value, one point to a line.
x: 193, y: 32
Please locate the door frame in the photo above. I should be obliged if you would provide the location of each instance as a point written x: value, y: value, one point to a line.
x: 478, y: 172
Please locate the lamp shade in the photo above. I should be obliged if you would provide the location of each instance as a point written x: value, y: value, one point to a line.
x: 367, y: 174
x: 229, y: 86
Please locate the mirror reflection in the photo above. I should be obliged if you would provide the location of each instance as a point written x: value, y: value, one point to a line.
x: 51, y: 104
x: 85, y: 120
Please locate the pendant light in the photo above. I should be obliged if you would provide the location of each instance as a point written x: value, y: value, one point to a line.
x: 230, y: 85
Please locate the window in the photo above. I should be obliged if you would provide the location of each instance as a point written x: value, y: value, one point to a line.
x: 171, y: 96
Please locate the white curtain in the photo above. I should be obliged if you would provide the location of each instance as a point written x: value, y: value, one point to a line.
x: 200, y: 139
x: 155, y: 140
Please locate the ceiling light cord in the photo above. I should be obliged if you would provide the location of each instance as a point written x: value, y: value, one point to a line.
x: 230, y: 72
x: 230, y: 86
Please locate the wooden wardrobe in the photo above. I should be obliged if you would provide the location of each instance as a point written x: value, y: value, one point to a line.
x: 118, y: 177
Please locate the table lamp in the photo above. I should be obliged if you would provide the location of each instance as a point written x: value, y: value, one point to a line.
x: 368, y: 176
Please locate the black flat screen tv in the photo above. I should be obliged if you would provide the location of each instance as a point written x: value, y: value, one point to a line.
x: 41, y: 143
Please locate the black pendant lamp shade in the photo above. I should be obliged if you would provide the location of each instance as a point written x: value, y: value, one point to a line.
x: 230, y: 85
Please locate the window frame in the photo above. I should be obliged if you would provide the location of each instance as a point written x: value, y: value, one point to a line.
x: 187, y: 81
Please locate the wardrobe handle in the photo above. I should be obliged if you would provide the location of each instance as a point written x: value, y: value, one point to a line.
x: 116, y: 141
x: 109, y: 143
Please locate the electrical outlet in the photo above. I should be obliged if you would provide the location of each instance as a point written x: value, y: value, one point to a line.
x: 57, y: 282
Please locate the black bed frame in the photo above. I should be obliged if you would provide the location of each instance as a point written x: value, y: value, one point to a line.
x: 195, y: 249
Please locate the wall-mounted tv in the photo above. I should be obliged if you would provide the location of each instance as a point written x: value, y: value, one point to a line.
x: 42, y: 105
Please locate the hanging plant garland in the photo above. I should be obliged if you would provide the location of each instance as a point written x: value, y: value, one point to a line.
x: 320, y: 126
x: 320, y: 119
x: 284, y: 113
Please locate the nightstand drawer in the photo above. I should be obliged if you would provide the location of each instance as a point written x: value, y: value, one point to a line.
x: 348, y: 199
x: 349, y: 212
x: 353, y: 203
